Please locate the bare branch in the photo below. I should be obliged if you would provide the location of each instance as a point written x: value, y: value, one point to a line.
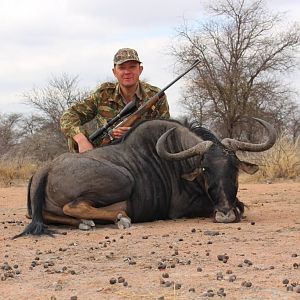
x: 242, y: 54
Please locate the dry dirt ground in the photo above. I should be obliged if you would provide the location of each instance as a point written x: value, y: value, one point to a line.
x: 258, y: 258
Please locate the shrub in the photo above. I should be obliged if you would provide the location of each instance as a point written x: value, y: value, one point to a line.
x: 281, y: 161
x: 12, y: 171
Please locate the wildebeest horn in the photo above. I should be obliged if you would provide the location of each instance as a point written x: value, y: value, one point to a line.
x: 198, y: 149
x: 235, y: 145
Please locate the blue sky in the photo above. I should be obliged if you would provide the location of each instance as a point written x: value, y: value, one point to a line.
x: 44, y: 38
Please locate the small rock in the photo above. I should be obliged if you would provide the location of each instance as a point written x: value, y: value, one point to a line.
x: 58, y: 287
x: 248, y: 262
x: 168, y: 283
x: 113, y: 280
x: 285, y: 281
x: 161, y: 266
x: 246, y: 284
x: 224, y: 258
x: 177, y: 286
x: 211, y: 233
x: 209, y: 293
x: 221, y: 292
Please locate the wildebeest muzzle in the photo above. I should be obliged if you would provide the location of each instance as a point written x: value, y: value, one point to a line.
x: 232, y: 216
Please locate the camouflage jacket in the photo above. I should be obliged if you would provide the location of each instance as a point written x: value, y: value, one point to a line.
x: 104, y: 104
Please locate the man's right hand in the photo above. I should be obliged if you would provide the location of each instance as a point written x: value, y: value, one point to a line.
x: 83, y: 143
x: 119, y: 132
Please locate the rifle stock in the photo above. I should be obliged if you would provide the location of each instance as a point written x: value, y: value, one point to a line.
x: 135, y: 116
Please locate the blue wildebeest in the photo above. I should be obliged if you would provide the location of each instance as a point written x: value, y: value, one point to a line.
x: 160, y: 170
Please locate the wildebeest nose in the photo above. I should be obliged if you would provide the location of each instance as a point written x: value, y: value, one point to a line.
x: 226, y: 216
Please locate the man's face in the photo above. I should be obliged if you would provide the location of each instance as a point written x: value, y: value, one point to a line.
x: 128, y: 73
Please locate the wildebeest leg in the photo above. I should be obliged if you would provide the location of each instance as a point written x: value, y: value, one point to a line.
x: 85, y: 210
x: 51, y: 218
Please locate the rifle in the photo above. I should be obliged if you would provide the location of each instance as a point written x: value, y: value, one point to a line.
x: 136, y: 115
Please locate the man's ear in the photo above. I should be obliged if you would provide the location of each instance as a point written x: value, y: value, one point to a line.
x: 114, y: 71
x: 141, y: 69
x: 247, y: 167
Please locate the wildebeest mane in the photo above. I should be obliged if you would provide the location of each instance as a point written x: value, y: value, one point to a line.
x: 204, y: 133
x: 137, y: 124
x: 194, y: 126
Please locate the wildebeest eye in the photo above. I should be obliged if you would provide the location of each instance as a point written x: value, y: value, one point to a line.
x: 203, y: 169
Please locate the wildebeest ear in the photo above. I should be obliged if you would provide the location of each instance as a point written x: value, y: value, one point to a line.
x: 192, y: 175
x: 247, y: 167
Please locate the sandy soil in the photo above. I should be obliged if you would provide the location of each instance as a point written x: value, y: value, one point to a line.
x: 258, y: 258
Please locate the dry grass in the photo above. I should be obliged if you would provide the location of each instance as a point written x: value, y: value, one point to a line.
x: 282, y: 161
x: 15, y: 171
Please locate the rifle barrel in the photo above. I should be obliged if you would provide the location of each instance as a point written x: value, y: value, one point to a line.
x: 196, y: 62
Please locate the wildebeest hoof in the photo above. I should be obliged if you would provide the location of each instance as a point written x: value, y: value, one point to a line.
x: 86, y: 224
x: 123, y: 222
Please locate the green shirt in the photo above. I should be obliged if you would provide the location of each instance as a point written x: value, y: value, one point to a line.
x: 104, y: 104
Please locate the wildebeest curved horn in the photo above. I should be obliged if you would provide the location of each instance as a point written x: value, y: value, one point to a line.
x: 198, y: 149
x: 235, y: 145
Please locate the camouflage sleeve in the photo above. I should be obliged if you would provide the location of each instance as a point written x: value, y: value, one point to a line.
x: 78, y: 114
x: 163, y: 108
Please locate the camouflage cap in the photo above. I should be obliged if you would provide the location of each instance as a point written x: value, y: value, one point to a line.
x: 125, y: 54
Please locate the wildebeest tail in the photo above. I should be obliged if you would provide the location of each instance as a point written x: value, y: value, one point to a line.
x: 35, y: 204
x: 29, y: 209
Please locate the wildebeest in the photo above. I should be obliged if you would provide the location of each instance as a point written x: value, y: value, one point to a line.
x: 160, y: 170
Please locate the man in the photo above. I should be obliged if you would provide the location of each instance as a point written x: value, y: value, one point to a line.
x: 109, y: 99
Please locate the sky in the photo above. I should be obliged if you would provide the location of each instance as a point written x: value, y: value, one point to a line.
x: 42, y: 39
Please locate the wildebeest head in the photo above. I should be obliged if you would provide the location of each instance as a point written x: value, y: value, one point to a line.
x: 218, y: 167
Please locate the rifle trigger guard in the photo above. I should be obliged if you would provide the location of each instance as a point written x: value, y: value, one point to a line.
x: 110, y: 135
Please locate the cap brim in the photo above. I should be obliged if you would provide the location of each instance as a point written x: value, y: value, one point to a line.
x: 125, y: 60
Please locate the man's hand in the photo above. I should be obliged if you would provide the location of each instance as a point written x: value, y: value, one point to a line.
x: 82, y: 142
x: 117, y: 133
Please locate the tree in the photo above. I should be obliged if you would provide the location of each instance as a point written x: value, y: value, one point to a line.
x: 44, y: 137
x: 53, y: 99
x: 9, y: 131
x: 243, y: 54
